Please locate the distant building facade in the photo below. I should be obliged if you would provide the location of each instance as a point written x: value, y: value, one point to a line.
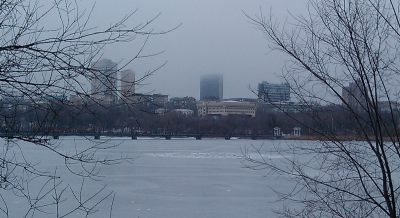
x: 211, y: 87
x: 269, y: 92
x: 158, y: 99
x: 127, y: 84
x: 254, y: 100
x: 185, y: 112
x: 104, y: 82
x: 182, y: 103
x: 225, y: 108
x: 353, y: 95
x: 278, y: 107
x: 77, y: 99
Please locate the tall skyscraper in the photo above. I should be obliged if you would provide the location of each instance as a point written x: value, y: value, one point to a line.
x: 127, y: 83
x: 211, y: 87
x: 104, y: 82
x: 269, y: 92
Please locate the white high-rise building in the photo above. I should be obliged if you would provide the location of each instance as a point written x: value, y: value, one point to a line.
x: 104, y: 82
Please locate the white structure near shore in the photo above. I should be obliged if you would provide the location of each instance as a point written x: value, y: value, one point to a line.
x: 225, y: 108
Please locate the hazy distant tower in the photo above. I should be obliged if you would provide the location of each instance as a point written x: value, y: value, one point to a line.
x: 104, y: 82
x: 211, y: 87
x: 127, y: 83
x: 354, y: 95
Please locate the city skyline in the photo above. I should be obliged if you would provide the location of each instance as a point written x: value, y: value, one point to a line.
x: 112, y: 81
x: 212, y: 37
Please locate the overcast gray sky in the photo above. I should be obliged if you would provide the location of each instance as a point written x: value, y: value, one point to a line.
x: 214, y: 37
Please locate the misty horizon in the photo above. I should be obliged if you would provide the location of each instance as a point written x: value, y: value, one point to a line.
x: 213, y: 37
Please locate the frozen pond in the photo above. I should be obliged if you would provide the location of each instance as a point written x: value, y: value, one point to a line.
x: 174, y: 178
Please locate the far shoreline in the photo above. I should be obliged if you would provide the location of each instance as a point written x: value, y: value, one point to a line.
x: 335, y: 138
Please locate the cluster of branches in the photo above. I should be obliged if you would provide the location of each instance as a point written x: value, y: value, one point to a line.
x: 48, y: 49
x: 338, y: 43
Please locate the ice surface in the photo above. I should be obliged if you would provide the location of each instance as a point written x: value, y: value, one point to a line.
x: 174, y: 178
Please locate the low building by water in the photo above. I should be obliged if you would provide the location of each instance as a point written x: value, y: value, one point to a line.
x: 225, y: 108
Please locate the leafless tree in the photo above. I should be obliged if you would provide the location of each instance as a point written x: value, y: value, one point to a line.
x: 344, y: 55
x: 42, y: 63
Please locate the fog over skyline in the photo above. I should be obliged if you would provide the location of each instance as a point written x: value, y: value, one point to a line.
x: 214, y: 36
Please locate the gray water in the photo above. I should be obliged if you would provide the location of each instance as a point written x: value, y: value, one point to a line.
x: 169, y: 178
